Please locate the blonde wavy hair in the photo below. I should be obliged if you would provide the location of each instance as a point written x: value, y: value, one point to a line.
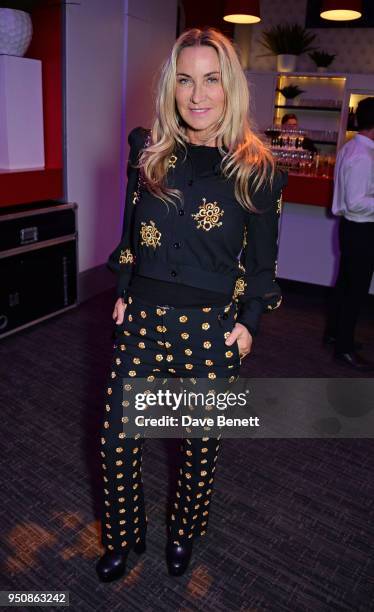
x: 244, y: 155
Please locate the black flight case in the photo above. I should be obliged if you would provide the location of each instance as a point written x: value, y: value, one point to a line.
x: 38, y: 263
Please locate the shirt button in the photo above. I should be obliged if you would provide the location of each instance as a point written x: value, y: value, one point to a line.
x: 173, y: 273
x: 181, y: 212
x: 177, y: 245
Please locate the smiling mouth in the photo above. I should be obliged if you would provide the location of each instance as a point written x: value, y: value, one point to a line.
x: 199, y: 110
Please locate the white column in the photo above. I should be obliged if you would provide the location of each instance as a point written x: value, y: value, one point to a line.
x: 21, y: 113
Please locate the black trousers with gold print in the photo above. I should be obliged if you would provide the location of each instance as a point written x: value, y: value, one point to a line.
x: 162, y: 341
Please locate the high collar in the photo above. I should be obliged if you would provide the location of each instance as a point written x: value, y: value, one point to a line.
x: 193, y: 150
x: 365, y: 141
x: 192, y: 145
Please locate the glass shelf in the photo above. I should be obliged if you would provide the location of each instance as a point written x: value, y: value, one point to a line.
x: 330, y: 109
x: 333, y: 143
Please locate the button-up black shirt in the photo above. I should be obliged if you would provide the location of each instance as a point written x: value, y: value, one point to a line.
x: 208, y: 241
x: 154, y: 291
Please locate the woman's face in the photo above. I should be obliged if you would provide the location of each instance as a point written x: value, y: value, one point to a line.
x: 199, y: 94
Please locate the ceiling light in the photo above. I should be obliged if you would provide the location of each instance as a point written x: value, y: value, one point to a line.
x: 341, y: 10
x: 242, y: 11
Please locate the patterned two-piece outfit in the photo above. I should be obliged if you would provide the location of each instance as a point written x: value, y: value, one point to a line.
x: 208, y: 244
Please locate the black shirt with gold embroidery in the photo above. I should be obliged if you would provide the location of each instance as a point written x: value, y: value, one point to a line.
x: 156, y: 292
x: 209, y: 241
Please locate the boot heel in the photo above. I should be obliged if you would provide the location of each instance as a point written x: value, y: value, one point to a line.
x: 139, y: 547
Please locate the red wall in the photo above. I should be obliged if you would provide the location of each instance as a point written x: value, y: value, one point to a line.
x: 19, y: 186
x: 46, y: 45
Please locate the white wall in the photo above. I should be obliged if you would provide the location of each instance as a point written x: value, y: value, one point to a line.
x: 113, y: 48
x: 151, y: 28
x: 94, y: 66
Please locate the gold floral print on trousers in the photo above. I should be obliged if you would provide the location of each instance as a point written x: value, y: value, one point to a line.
x: 126, y: 257
x: 150, y: 235
x: 208, y: 215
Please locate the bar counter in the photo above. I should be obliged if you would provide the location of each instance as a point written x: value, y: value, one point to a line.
x: 308, y: 235
x: 313, y: 190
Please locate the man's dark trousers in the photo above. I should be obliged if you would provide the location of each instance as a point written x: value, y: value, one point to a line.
x: 356, y: 241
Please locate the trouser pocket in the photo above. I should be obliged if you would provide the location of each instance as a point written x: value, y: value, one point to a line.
x: 227, y: 320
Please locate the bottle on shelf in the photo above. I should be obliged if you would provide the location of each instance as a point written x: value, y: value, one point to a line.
x: 290, y: 154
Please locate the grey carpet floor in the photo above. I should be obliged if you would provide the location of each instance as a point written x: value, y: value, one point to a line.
x: 291, y: 524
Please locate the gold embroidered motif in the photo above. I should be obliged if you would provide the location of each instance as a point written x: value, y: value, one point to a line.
x: 278, y: 303
x: 126, y: 257
x: 239, y: 288
x: 245, y: 237
x: 171, y: 161
x: 135, y: 197
x: 150, y: 235
x: 208, y: 215
x: 279, y: 204
x: 241, y: 267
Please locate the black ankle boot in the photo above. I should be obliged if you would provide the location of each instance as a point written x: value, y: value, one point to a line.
x: 112, y: 565
x: 178, y: 557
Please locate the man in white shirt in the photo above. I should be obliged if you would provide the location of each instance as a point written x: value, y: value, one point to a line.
x: 353, y: 201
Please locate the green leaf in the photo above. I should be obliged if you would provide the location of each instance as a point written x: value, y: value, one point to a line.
x: 287, y: 38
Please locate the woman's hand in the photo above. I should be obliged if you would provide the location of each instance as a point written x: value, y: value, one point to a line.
x: 119, y: 311
x: 241, y: 335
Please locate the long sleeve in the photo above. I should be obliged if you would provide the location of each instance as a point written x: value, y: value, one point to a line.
x: 122, y: 259
x: 260, y: 291
x: 357, y: 183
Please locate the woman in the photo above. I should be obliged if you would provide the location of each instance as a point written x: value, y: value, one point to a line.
x: 196, y: 268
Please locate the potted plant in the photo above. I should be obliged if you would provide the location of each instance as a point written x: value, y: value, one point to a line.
x: 322, y: 59
x: 290, y: 92
x: 287, y: 41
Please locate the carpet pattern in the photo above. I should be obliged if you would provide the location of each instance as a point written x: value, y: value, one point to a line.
x: 291, y: 524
